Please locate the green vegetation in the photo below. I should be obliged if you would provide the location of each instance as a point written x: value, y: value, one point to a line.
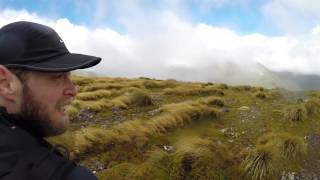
x: 165, y: 129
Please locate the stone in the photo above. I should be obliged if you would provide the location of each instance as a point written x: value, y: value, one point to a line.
x: 244, y: 108
x: 168, y: 148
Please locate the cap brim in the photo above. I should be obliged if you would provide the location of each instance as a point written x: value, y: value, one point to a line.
x: 63, y: 63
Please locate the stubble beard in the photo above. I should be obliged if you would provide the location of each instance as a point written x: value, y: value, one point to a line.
x: 36, y: 115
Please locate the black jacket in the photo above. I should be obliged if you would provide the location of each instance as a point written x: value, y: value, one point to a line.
x: 26, y: 157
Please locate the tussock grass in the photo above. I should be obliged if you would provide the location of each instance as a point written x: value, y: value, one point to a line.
x: 96, y: 106
x: 121, y: 102
x: 260, y: 95
x: 152, y: 84
x: 214, y: 101
x: 118, y: 172
x: 94, y: 95
x: 141, y: 98
x: 258, y: 164
x: 193, y: 91
x: 139, y: 132
x: 105, y: 86
x: 312, y: 106
x: 295, y: 113
x: 195, y: 158
x: 135, y: 97
x: 199, y: 158
x: 243, y: 88
x: 274, y: 153
x: 289, y: 146
x: 72, y: 112
x: 81, y: 81
x: 314, y: 94
x: 222, y: 86
x: 92, y: 139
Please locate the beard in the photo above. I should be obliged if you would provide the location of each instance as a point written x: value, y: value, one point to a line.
x: 35, y: 116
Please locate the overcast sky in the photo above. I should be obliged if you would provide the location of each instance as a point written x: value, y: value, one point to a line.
x: 148, y: 37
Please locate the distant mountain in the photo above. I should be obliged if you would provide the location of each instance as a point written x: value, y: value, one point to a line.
x: 300, y: 81
x: 254, y: 74
x: 231, y: 73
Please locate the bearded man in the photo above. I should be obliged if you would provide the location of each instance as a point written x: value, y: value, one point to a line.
x: 35, y: 88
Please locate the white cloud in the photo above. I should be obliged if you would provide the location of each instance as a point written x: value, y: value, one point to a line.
x: 293, y: 16
x: 168, y: 45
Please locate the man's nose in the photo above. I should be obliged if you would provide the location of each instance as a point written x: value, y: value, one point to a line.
x: 71, y: 89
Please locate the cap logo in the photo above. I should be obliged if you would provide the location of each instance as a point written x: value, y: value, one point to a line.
x: 61, y: 41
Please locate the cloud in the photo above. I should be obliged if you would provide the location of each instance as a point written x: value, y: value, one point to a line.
x: 293, y: 16
x: 169, y: 46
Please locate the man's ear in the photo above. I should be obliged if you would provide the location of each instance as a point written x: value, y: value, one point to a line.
x: 8, y: 84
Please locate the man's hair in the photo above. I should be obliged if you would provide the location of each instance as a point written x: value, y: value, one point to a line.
x: 20, y: 73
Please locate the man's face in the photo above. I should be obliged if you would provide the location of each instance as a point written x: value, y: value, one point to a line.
x: 44, y: 100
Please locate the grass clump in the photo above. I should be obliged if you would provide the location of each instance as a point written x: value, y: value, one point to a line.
x: 141, y: 98
x: 94, y: 95
x: 243, y: 88
x: 138, y: 132
x: 223, y: 86
x: 96, y: 106
x: 135, y: 97
x: 193, y: 91
x: 81, y: 80
x: 105, y: 86
x: 312, y: 106
x: 199, y: 158
x: 260, y: 95
x: 289, y: 146
x: 295, y: 113
x: 72, y: 112
x: 214, y: 101
x: 194, y: 158
x: 117, y: 172
x: 258, y: 164
x: 153, y: 84
x: 274, y: 153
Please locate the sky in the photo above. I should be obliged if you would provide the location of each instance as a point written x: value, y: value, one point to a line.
x: 182, y: 39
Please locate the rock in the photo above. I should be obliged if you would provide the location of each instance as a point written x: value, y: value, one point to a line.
x: 224, y: 130
x: 168, y: 148
x: 115, y: 111
x: 97, y: 166
x: 288, y: 175
x: 154, y: 112
x: 313, y: 140
x: 85, y: 114
x: 244, y: 108
x: 224, y: 109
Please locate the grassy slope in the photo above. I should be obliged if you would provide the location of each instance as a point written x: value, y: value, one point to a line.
x: 134, y: 118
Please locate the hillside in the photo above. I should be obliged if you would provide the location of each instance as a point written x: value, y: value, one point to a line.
x: 165, y: 129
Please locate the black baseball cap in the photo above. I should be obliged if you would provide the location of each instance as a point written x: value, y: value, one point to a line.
x: 36, y: 47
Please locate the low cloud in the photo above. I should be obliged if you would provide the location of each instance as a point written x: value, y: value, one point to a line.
x: 172, y: 47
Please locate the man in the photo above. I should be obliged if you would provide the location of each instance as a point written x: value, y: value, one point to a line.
x: 35, y: 89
